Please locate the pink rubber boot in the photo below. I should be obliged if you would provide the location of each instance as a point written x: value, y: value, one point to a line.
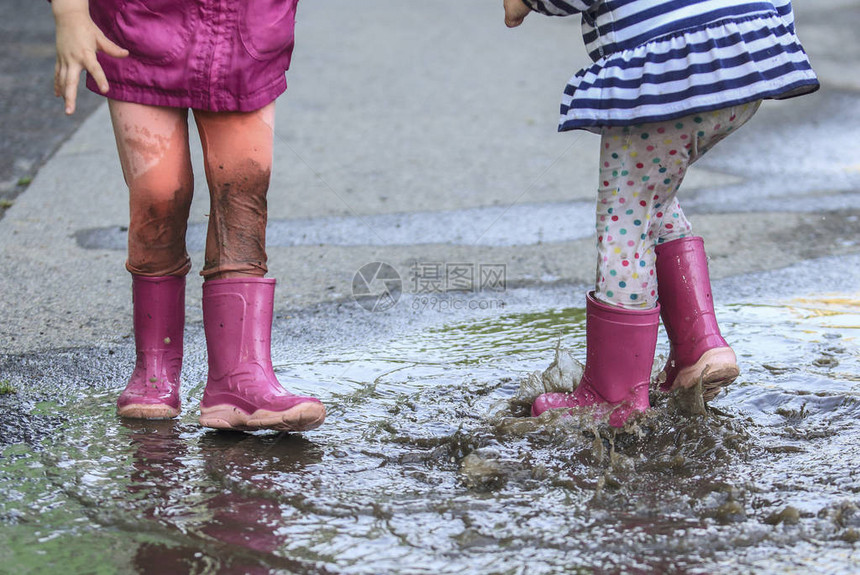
x: 159, y: 320
x: 620, y: 347
x: 242, y: 391
x: 697, y: 348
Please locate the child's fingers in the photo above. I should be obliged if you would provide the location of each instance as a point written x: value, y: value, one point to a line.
x: 110, y: 48
x: 512, y: 22
x: 57, y: 89
x: 70, y: 87
x: 95, y: 70
x: 515, y: 12
x: 103, y: 44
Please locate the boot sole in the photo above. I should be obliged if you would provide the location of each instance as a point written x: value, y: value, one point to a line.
x: 302, y: 417
x: 717, y: 368
x: 147, y: 411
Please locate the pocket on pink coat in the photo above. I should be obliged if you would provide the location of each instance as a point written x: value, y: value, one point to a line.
x: 155, y: 31
x: 267, y: 27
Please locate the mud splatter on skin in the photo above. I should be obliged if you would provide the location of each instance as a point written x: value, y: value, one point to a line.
x: 236, y: 239
x: 237, y: 150
x: 148, y: 138
x: 146, y: 150
x: 156, y: 235
x: 153, y: 149
x: 154, y: 152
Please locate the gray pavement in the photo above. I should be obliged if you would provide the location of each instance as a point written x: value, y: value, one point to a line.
x: 424, y: 132
x: 31, y: 130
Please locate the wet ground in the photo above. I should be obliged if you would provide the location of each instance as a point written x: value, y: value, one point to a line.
x: 428, y: 465
x: 31, y: 123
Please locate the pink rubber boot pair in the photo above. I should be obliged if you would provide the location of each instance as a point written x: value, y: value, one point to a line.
x: 242, y: 391
x: 620, y: 343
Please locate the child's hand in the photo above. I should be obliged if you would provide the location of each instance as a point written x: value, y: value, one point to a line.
x: 78, y: 40
x: 515, y: 12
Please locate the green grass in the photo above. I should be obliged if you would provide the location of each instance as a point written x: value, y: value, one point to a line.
x: 6, y: 387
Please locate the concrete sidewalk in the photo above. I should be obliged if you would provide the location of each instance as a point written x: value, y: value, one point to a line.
x: 424, y: 132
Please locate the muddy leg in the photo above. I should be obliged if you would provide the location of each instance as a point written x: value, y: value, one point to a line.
x: 237, y: 148
x: 156, y: 163
x: 153, y: 150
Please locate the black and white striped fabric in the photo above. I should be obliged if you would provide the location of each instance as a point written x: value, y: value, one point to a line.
x: 656, y: 60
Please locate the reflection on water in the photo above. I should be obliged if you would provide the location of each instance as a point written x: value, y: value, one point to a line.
x: 428, y: 465
x: 238, y: 491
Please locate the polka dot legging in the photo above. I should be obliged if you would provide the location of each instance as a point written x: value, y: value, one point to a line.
x: 641, y: 169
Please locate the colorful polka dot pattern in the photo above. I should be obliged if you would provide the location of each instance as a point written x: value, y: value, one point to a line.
x: 641, y: 169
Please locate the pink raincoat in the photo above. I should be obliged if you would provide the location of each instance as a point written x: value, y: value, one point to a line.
x: 216, y: 55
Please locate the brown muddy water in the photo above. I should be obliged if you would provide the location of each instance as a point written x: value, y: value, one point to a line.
x: 427, y: 463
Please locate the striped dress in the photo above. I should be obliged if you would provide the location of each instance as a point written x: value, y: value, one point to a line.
x: 656, y: 60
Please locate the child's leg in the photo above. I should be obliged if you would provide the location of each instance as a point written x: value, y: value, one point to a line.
x: 156, y: 163
x: 237, y: 150
x: 670, y: 224
x: 153, y: 150
x: 242, y: 391
x: 690, y: 138
x: 622, y: 314
x: 641, y: 168
x: 698, y: 351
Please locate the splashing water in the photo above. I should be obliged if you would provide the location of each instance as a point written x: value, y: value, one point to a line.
x: 429, y: 464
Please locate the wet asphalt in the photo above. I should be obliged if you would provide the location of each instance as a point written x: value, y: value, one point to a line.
x: 31, y: 125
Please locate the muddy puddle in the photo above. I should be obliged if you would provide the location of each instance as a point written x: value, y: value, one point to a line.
x: 428, y: 465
